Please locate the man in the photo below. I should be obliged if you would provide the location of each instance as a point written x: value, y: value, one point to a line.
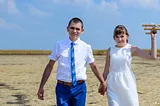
x: 72, y: 55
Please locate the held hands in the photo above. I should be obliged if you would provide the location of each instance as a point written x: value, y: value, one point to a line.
x: 40, y: 94
x: 102, y: 88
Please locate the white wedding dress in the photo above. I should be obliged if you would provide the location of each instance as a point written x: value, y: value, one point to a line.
x: 121, y: 82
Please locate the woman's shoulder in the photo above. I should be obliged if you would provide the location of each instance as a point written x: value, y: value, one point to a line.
x: 134, y: 49
x: 133, y: 46
x: 113, y: 46
x: 129, y: 45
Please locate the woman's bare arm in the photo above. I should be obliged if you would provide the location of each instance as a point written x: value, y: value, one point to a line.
x: 141, y: 53
x: 107, y: 65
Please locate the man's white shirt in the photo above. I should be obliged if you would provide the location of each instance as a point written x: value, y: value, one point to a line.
x: 61, y: 53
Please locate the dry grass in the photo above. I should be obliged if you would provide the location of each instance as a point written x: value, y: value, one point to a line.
x: 47, y: 52
x: 20, y: 76
x: 25, y: 52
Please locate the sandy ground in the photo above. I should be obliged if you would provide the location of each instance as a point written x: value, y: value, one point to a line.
x: 20, y: 76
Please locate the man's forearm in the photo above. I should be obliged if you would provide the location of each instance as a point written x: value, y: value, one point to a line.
x: 97, y: 74
x: 46, y: 75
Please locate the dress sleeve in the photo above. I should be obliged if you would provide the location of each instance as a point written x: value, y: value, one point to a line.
x: 54, y: 53
x: 90, y: 57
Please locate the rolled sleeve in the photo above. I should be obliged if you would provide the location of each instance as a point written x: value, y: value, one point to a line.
x: 90, y: 57
x: 54, y: 53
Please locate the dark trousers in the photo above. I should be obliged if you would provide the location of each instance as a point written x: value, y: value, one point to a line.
x: 71, y: 95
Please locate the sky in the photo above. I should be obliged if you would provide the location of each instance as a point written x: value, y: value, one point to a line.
x: 39, y: 24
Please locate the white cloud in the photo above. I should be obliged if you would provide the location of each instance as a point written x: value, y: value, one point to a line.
x: 152, y: 4
x: 36, y: 12
x: 90, y: 5
x: 73, y: 1
x: 12, y: 9
x: 5, y: 25
x: 109, y: 7
x: 9, y: 6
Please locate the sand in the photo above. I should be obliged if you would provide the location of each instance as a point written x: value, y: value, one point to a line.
x: 20, y: 76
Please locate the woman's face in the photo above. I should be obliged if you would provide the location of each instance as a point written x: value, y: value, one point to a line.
x: 121, y: 39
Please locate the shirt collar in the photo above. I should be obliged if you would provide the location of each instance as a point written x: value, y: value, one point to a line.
x: 75, y: 42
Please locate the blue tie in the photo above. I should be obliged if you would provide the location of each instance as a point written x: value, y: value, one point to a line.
x: 73, y: 73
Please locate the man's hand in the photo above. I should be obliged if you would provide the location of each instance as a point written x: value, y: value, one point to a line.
x: 102, y: 88
x: 40, y: 94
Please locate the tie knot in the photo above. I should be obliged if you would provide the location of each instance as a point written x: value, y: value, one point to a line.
x: 72, y: 43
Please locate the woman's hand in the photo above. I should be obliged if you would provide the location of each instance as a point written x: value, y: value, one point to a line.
x: 153, y: 35
x: 102, y: 88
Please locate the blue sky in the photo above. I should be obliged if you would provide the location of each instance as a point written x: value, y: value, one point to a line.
x: 38, y: 24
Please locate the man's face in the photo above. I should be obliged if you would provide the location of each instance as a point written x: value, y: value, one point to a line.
x: 74, y: 30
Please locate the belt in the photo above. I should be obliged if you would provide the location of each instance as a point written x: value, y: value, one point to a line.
x: 69, y: 83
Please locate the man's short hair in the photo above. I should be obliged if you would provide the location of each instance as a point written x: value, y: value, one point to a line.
x: 75, y: 20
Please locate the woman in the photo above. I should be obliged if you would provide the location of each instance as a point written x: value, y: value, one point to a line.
x: 120, y: 80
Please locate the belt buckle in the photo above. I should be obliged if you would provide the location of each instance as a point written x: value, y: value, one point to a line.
x: 65, y: 83
x: 69, y: 83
